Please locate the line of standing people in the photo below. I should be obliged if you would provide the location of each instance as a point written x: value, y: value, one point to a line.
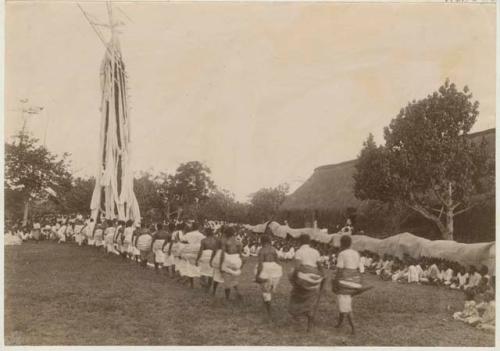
x: 188, y: 251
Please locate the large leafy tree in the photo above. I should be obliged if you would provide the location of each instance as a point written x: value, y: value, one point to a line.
x: 265, y: 202
x: 372, y: 176
x: 428, y: 163
x: 77, y: 199
x: 33, y: 172
x: 147, y: 192
x: 190, y: 186
x: 222, y: 205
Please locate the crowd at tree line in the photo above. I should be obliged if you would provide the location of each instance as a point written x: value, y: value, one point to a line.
x: 425, y: 270
x: 427, y: 171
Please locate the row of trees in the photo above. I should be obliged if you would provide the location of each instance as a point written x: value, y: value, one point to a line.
x: 190, y: 192
x: 428, y: 165
x: 37, y: 178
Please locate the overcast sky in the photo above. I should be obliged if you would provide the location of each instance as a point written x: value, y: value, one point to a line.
x: 262, y: 93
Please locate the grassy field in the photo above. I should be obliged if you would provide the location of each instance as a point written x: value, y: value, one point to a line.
x: 66, y: 295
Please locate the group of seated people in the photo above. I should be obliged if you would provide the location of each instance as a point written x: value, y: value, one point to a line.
x: 50, y: 227
x: 425, y: 270
x: 479, y: 310
x: 478, y: 286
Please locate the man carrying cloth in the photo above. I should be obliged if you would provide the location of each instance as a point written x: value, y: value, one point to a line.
x: 159, y: 239
x: 268, y: 272
x: 190, y: 252
x: 143, y: 243
x: 306, y: 280
x: 231, y: 262
x: 347, y: 282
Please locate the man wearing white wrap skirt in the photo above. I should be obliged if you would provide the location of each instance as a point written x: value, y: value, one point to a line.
x: 347, y: 280
x: 231, y: 262
x: 143, y: 243
x: 109, y: 234
x: 190, y: 251
x: 168, y: 261
x: 61, y: 233
x: 99, y: 236
x: 134, y: 251
x: 159, y: 239
x: 118, y: 237
x: 268, y: 271
x: 79, y: 234
x: 89, y: 231
x: 36, y: 231
x: 127, y: 238
x: 307, y: 280
x: 176, y: 249
x: 69, y: 231
x: 207, y: 249
x: 215, y: 264
x: 414, y: 273
x: 46, y: 231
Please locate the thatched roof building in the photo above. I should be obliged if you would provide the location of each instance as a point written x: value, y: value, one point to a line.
x: 331, y: 187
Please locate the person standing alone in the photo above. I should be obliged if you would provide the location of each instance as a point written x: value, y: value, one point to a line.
x: 347, y: 282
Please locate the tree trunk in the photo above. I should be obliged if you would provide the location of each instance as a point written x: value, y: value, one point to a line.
x: 168, y: 211
x: 26, y: 211
x: 396, y: 218
x: 436, y: 219
x: 442, y: 228
x: 448, y: 234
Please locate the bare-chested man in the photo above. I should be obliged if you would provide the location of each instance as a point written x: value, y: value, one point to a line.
x: 268, y: 271
x: 208, y: 247
x: 215, y: 262
x: 231, y: 262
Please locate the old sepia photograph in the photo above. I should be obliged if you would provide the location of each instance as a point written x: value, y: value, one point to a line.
x: 250, y: 173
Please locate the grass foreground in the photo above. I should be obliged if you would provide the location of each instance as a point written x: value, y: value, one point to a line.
x: 61, y: 294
